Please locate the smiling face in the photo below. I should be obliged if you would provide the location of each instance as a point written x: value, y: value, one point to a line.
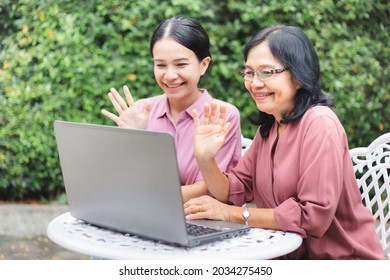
x: 276, y: 95
x: 177, y: 71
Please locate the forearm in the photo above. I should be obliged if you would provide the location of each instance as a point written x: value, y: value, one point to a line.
x: 258, y: 217
x: 216, y: 182
x: 194, y: 190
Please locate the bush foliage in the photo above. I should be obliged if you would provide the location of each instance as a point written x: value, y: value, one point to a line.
x: 58, y: 59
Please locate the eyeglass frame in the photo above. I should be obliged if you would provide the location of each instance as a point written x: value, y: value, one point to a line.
x: 271, y: 74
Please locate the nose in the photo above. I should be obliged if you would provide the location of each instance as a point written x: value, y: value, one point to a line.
x: 171, y: 74
x: 256, y: 82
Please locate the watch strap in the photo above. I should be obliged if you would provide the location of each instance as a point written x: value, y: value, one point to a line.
x: 245, y: 214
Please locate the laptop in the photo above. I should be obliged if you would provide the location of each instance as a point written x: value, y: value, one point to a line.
x: 127, y: 180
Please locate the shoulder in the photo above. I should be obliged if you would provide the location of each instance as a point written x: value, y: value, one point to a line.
x: 322, y: 120
x: 320, y: 113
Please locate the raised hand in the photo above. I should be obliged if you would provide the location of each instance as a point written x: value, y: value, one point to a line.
x: 210, y: 135
x: 128, y: 114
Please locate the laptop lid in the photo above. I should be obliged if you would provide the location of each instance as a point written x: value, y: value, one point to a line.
x: 127, y: 180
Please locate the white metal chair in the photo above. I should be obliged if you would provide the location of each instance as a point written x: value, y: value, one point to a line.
x: 372, y: 170
x: 246, y: 142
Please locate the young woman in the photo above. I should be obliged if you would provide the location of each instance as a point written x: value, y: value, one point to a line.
x: 298, y: 170
x: 180, y: 50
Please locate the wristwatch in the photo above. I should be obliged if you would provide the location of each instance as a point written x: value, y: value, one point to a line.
x: 245, y: 214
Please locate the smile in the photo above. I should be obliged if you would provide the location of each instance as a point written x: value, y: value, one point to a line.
x: 262, y: 94
x: 174, y: 85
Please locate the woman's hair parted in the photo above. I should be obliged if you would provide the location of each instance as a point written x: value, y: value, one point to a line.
x: 185, y: 31
x: 291, y: 46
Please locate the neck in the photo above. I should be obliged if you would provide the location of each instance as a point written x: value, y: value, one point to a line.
x: 176, y: 106
x: 281, y: 127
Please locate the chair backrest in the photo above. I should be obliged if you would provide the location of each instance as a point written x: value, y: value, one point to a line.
x: 372, y: 169
x: 246, y: 142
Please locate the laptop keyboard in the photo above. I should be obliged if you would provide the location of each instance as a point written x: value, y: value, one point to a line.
x: 197, y: 230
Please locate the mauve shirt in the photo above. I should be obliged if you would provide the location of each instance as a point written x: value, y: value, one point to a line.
x: 160, y: 119
x: 311, y: 184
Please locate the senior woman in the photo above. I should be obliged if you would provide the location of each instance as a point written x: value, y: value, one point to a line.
x: 297, y: 170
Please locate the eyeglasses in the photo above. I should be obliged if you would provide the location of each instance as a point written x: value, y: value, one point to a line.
x: 261, y: 74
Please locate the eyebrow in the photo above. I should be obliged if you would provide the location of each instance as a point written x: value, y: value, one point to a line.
x: 175, y: 60
x: 261, y: 66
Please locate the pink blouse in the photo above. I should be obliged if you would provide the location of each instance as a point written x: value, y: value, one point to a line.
x: 310, y: 183
x: 160, y: 119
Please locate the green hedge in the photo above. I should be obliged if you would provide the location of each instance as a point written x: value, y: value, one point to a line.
x: 58, y: 59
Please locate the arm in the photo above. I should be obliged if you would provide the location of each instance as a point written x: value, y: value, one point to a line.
x: 194, y: 190
x: 206, y: 207
x: 209, y: 138
x: 128, y: 114
x: 258, y: 217
x: 320, y: 184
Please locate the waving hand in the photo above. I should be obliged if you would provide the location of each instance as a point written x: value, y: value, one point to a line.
x: 210, y: 135
x: 129, y: 116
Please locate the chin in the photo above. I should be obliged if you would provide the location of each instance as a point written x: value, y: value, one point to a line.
x: 263, y: 109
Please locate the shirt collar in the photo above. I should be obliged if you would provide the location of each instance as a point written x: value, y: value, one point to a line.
x: 198, y: 105
x: 163, y: 108
x: 205, y: 97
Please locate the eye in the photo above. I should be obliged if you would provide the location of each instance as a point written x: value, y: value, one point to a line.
x: 248, y: 73
x: 159, y: 65
x: 265, y: 73
x: 181, y: 65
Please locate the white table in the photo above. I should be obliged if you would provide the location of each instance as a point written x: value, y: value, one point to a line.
x: 76, y: 235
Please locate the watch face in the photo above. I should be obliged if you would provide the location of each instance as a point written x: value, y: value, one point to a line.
x: 246, y: 214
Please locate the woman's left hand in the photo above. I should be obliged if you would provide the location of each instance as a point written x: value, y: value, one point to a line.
x: 210, y: 135
x: 206, y: 207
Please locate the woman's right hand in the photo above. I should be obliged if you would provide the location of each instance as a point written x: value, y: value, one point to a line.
x: 210, y: 135
x: 128, y: 114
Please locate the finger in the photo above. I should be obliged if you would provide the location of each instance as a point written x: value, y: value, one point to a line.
x: 111, y: 116
x: 129, y: 97
x: 118, y: 99
x: 148, y: 108
x: 225, y: 129
x: 197, y: 216
x: 193, y: 202
x: 195, y: 116
x: 191, y: 209
x: 115, y: 103
x: 222, y: 115
x: 197, y: 208
x: 206, y: 114
x: 213, y: 114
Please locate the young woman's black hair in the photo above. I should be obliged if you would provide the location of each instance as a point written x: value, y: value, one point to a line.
x: 187, y: 32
